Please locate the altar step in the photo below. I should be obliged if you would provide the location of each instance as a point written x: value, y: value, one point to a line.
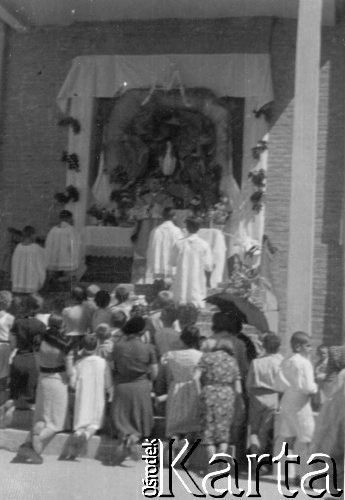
x: 108, y: 269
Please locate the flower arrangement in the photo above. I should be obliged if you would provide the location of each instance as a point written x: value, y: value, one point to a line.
x: 70, y: 194
x: 219, y: 213
x: 258, y: 178
x: 70, y: 121
x: 72, y: 160
x: 259, y: 149
x: 105, y: 216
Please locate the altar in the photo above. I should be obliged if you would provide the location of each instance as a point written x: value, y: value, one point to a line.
x: 107, y: 241
x: 167, y: 137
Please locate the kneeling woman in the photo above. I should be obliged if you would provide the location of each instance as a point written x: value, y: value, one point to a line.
x: 52, y: 390
x: 135, y: 368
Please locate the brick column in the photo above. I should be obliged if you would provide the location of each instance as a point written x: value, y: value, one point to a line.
x: 303, y: 175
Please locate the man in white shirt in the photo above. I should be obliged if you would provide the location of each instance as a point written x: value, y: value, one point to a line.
x: 161, y: 242
x: 192, y: 257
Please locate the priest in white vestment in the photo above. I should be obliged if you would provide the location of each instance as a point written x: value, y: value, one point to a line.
x: 192, y: 257
x: 28, y: 271
x: 161, y: 242
x: 62, y: 245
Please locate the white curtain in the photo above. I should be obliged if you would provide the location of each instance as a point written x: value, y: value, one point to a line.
x: 234, y: 75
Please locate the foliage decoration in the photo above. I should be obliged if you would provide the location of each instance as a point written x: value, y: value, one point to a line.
x: 69, y: 121
x: 70, y: 194
x: 259, y: 149
x: 72, y: 160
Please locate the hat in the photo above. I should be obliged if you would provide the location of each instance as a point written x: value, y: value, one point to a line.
x: 134, y: 326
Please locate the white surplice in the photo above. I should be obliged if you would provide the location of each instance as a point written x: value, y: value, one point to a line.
x: 192, y: 256
x: 28, y: 268
x: 62, y: 248
x: 91, y: 379
x: 161, y: 242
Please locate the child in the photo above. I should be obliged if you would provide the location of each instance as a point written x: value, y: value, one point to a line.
x: 62, y: 247
x: 91, y: 379
x: 89, y: 306
x: 296, y: 380
x: 167, y: 338
x: 118, y: 321
x: 263, y: 397
x: 28, y: 264
x: 73, y: 315
x: 102, y: 313
x: 105, y: 344
x: 6, y: 323
x: 122, y: 300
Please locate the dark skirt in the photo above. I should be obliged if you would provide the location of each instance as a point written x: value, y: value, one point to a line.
x: 132, y: 408
x: 24, y: 377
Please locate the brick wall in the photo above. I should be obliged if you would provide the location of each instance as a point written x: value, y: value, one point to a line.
x: 31, y: 146
x: 328, y: 260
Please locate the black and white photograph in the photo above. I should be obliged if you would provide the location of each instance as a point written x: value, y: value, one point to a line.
x: 172, y: 249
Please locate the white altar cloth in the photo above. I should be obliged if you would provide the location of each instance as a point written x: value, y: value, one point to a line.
x: 107, y: 241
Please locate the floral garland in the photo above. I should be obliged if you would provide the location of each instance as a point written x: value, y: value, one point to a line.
x: 72, y: 161
x: 258, y: 178
x: 69, y: 121
x: 70, y: 194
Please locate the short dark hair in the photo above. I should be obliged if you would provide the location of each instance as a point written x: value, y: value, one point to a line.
x: 170, y: 312
x: 135, y: 326
x: 187, y: 314
x: 271, y: 343
x: 168, y: 213
x: 228, y: 323
x: 28, y: 231
x: 102, y: 299
x: 193, y: 224
x: 89, y: 343
x: 118, y: 319
x: 298, y: 339
x: 190, y: 336
x: 65, y: 215
x: 56, y: 322
x: 78, y: 293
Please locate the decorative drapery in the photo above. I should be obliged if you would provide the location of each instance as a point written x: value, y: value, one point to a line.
x: 236, y: 75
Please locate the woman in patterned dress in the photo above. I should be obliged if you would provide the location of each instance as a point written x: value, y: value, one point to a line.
x: 219, y: 377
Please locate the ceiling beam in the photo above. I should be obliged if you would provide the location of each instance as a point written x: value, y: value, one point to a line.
x: 11, y: 20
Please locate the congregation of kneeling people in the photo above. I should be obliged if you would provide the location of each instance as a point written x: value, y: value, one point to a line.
x: 105, y: 363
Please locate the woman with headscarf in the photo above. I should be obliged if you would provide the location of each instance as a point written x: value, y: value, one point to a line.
x: 135, y: 368
x: 52, y: 389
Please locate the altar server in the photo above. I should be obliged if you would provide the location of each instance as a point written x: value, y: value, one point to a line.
x: 162, y: 239
x: 28, y: 264
x: 193, y: 260
x: 62, y: 245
